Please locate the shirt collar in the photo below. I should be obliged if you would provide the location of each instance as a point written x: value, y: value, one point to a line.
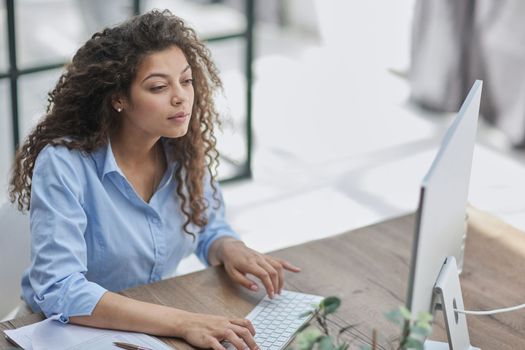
x: 106, y: 162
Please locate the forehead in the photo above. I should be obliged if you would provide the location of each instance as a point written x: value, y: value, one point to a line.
x: 168, y: 61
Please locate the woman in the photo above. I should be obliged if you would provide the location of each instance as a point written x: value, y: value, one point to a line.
x: 119, y: 178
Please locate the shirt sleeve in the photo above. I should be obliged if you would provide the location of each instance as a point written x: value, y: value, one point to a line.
x: 58, y: 248
x: 217, y: 226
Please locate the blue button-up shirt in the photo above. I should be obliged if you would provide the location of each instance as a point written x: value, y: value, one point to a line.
x: 91, y: 232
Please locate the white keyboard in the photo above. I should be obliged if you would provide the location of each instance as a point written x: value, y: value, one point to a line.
x: 277, y: 320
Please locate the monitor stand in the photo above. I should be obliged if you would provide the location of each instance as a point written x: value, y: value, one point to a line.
x: 447, y: 292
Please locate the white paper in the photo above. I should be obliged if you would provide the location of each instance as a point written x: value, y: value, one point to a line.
x: 52, y: 334
x: 22, y: 336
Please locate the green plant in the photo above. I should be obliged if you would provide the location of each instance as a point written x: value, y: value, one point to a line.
x: 412, y: 331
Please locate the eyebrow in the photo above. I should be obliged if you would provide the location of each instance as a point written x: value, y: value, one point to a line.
x: 164, y: 75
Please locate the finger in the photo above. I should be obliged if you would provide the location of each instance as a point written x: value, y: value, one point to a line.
x: 244, y: 281
x: 288, y: 266
x: 214, y: 344
x: 234, y: 339
x: 274, y: 276
x: 280, y: 274
x: 246, y: 336
x: 244, y: 323
x: 264, y: 276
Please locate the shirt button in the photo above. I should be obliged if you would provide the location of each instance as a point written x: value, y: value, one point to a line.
x: 155, y: 221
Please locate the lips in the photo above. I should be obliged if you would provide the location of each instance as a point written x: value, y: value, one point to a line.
x: 179, y: 116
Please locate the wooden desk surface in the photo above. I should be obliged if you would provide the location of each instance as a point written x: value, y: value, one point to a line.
x: 368, y: 268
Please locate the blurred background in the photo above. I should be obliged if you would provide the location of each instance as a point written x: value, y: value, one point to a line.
x: 332, y: 110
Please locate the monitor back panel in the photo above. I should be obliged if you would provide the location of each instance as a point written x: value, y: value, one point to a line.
x: 441, y: 214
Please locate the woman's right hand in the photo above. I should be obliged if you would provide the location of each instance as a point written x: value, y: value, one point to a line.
x: 207, y: 331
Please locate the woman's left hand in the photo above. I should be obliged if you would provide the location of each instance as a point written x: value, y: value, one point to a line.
x: 239, y: 260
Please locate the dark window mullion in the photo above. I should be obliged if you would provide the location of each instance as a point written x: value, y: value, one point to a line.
x: 250, y: 23
x: 13, y: 70
x: 136, y: 7
x: 42, y: 68
x: 226, y: 37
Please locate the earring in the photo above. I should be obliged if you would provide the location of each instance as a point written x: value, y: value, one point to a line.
x: 119, y: 109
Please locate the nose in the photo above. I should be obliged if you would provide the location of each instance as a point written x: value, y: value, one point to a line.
x: 178, y: 98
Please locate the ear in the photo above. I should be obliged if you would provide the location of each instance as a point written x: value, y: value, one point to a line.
x: 118, y: 102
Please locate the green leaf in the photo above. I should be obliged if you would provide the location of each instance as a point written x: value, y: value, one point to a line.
x: 413, y: 343
x: 425, y: 317
x: 423, y: 332
x: 423, y: 325
x: 365, y: 347
x: 307, y: 339
x: 326, y: 343
x: 395, y: 316
x: 405, y: 313
x: 330, y: 305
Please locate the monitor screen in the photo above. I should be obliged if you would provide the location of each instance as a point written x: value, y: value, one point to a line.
x: 440, y: 220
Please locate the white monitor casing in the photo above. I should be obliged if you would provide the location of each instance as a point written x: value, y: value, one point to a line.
x: 440, y: 221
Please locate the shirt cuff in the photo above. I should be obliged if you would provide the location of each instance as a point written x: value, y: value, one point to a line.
x: 204, y: 250
x: 82, y: 303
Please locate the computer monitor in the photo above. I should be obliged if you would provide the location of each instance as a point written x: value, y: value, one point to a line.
x: 440, y: 221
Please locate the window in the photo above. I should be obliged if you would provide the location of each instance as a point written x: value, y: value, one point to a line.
x: 32, y: 57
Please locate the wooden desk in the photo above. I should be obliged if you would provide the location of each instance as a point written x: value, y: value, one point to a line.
x: 368, y: 268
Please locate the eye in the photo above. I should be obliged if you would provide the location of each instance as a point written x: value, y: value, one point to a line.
x: 187, y: 82
x: 157, y: 88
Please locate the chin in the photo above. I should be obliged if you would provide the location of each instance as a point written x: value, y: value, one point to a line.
x: 176, y: 133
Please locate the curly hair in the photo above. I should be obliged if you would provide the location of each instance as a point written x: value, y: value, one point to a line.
x: 80, y: 116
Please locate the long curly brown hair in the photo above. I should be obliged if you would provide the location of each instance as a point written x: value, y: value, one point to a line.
x: 80, y: 116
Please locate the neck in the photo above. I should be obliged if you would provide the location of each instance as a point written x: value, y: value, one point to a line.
x: 133, y: 150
